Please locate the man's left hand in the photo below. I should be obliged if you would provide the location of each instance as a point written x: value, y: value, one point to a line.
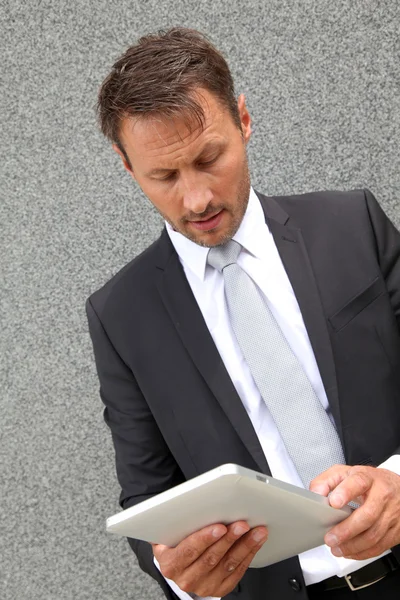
x: 373, y: 527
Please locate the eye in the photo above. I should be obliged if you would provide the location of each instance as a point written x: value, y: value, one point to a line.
x: 207, y: 163
x: 168, y: 177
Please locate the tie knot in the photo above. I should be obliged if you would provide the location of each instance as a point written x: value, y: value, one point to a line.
x: 220, y: 257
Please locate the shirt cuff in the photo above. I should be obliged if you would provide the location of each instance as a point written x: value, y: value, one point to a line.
x: 392, y: 464
x: 181, y: 594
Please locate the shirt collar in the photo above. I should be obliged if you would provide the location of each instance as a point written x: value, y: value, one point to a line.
x: 248, y: 235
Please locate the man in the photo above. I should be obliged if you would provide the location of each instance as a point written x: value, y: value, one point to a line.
x: 284, y: 358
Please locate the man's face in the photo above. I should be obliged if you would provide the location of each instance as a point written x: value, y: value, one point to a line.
x: 198, y: 181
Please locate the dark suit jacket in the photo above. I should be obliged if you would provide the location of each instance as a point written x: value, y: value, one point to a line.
x: 170, y: 404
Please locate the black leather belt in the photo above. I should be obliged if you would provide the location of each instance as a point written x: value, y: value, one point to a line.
x: 360, y: 579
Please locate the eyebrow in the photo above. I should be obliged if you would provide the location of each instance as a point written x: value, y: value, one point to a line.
x: 212, y: 145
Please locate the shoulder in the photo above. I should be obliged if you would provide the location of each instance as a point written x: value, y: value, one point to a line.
x: 324, y: 200
x: 324, y: 206
x: 133, y: 280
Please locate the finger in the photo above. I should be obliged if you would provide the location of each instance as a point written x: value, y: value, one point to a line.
x: 212, y: 556
x: 388, y: 541
x: 366, y: 540
x: 175, y: 560
x: 202, y: 572
x: 158, y: 550
x: 194, y: 545
x: 248, y: 545
x: 230, y: 582
x: 223, y: 585
x: 358, y: 482
x: 361, y: 520
x: 158, y: 547
x: 328, y: 480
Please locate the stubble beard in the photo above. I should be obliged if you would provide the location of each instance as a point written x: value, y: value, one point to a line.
x: 239, y: 210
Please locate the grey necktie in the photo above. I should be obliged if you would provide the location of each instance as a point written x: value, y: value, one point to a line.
x: 307, y: 432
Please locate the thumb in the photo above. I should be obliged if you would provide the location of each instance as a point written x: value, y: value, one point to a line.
x: 159, y: 549
x: 320, y: 488
x: 328, y: 480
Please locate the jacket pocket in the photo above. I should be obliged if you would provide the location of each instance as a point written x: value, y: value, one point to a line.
x: 357, y: 304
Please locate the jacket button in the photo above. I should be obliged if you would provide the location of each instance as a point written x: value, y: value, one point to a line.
x: 295, y: 585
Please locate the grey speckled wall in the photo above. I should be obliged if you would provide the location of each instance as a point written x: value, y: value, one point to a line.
x: 322, y: 83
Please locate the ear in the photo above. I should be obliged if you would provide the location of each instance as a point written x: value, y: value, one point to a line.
x: 245, y: 118
x: 127, y: 167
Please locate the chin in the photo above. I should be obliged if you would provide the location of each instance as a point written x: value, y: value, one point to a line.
x: 212, y: 240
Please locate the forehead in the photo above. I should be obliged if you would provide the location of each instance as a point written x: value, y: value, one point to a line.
x: 157, y: 136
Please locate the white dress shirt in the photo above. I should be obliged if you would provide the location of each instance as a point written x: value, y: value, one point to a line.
x: 261, y: 261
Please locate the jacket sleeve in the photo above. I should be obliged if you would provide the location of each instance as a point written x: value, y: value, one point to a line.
x: 144, y: 464
x: 387, y: 239
x: 388, y: 250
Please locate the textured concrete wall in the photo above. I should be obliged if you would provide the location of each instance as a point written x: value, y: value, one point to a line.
x: 322, y: 83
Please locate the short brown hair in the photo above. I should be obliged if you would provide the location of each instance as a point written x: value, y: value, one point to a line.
x: 158, y: 76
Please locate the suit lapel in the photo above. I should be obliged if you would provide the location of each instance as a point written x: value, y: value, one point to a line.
x: 183, y: 309
x: 290, y: 243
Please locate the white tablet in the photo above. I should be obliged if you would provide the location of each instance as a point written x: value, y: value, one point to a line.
x: 297, y: 519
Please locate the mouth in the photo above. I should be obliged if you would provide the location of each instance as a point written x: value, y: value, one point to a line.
x: 209, y: 223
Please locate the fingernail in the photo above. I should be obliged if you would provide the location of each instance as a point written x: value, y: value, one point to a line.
x: 239, y: 529
x: 331, y: 540
x: 318, y: 489
x: 337, y: 499
x: 217, y: 532
x: 337, y: 551
x: 258, y: 536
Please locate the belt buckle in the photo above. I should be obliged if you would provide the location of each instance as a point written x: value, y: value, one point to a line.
x: 361, y: 587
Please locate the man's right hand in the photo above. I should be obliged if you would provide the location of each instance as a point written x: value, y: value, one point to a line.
x: 213, y: 560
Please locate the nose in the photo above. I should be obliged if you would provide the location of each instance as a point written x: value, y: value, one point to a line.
x: 196, y: 195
